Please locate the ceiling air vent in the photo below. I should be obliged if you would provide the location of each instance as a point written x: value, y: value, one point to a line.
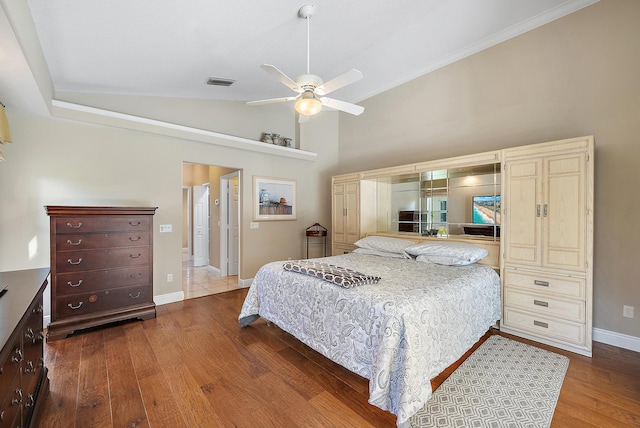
x: 217, y: 81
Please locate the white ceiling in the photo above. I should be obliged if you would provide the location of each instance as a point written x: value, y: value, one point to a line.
x: 171, y: 47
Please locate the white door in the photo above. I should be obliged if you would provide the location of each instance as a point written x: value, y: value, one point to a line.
x: 233, y: 229
x: 201, y: 225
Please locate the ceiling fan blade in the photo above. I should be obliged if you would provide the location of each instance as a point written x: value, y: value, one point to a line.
x: 338, y: 82
x: 270, y: 101
x: 281, y: 77
x: 344, y: 106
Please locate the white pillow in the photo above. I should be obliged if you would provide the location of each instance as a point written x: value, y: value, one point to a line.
x: 449, y: 253
x: 381, y: 253
x: 384, y: 243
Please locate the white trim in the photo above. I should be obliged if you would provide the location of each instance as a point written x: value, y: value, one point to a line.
x: 126, y: 121
x: 620, y: 340
x: 163, y: 299
x: 245, y: 283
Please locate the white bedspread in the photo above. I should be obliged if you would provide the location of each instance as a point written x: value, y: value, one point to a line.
x: 400, y: 333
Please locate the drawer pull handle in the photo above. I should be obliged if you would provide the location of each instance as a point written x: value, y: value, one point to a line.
x: 19, y: 357
x: 74, y: 307
x: 541, y: 324
x: 541, y: 303
x: 134, y: 223
x: 132, y: 275
x: 136, y: 296
x: 30, y: 368
x: 75, y: 227
x: 19, y: 399
x: 541, y: 283
x: 74, y: 243
x: 74, y: 263
x: 31, y: 402
x: 74, y: 285
x: 134, y: 240
x: 135, y: 257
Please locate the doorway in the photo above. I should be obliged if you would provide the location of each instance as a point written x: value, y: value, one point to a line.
x: 211, y: 232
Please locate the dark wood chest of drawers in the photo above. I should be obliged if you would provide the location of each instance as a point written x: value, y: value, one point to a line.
x: 101, y: 266
x: 23, y: 376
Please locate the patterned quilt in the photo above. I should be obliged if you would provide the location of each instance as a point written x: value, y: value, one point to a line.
x: 399, y: 333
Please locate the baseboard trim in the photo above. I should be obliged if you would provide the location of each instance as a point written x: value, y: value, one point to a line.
x: 163, y: 299
x: 625, y: 341
x: 245, y: 283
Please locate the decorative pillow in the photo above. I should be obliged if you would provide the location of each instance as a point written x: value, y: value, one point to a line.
x: 384, y: 243
x: 449, y: 253
x: 382, y: 253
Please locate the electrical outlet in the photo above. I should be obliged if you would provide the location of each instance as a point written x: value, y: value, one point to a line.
x: 627, y: 311
x: 169, y: 277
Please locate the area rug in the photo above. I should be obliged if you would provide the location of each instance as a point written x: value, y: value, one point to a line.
x: 503, y: 383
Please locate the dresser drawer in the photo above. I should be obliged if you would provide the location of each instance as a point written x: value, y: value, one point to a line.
x: 573, y: 310
x: 89, y: 303
x: 91, y: 241
x: 548, y: 327
x: 97, y: 280
x: 546, y: 283
x: 10, y: 407
x: 74, y: 225
x: 83, y: 260
x: 9, y: 367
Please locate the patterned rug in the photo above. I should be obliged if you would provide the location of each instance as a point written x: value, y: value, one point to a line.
x: 504, y: 383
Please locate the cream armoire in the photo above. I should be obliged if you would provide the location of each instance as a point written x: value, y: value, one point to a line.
x: 547, y: 243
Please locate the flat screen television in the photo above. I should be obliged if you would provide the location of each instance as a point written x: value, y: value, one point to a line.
x: 486, y: 209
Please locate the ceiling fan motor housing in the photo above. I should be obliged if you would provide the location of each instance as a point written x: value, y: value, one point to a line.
x: 309, y: 82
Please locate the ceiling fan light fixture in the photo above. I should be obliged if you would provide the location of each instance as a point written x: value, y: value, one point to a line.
x: 308, y: 104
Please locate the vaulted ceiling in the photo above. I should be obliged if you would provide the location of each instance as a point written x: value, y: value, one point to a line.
x: 170, y: 47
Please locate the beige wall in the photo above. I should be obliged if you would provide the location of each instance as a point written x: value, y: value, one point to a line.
x: 62, y: 162
x: 576, y: 76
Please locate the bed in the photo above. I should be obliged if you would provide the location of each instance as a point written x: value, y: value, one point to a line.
x: 398, y: 331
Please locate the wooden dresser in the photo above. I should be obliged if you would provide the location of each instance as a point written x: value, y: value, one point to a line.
x: 23, y: 376
x: 101, y: 266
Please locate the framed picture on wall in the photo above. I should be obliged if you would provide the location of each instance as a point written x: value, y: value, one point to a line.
x: 274, y: 199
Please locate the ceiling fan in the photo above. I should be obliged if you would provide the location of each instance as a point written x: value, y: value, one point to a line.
x: 310, y: 88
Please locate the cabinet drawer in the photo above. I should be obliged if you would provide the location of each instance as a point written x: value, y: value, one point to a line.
x: 83, y: 260
x: 546, y: 283
x: 573, y: 310
x: 97, y: 280
x: 89, y: 303
x: 10, y: 407
x: 548, y: 327
x: 73, y: 225
x: 90, y: 241
x: 9, y: 366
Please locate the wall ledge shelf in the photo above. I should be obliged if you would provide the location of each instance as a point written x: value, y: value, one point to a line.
x: 88, y: 114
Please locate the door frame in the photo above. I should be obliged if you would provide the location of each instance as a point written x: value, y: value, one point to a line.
x: 188, y: 219
x: 224, y: 182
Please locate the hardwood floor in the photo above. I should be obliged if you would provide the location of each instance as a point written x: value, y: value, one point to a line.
x: 193, y: 366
